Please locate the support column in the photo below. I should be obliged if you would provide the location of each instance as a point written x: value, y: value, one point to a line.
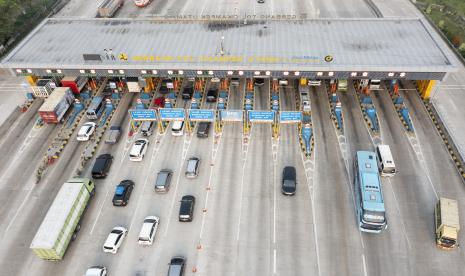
x: 426, y: 88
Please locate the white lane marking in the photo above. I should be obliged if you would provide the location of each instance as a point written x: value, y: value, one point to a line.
x: 203, y: 7
x: 274, y: 202
x: 19, y: 209
x: 99, y: 212
x: 242, y: 189
x: 400, y: 214
x: 312, y: 196
x: 206, y: 201
x: 154, y: 154
x: 240, y: 202
x: 274, y: 261
x: 174, y: 199
x: 364, y: 265
x: 422, y: 159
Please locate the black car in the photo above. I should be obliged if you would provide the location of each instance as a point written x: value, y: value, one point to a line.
x: 187, y: 92
x: 102, y: 166
x: 212, y: 94
x: 186, y: 211
x: 259, y: 81
x: 289, y: 183
x: 123, y: 193
x: 203, y: 129
x: 176, y: 266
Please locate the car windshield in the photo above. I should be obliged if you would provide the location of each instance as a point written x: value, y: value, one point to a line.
x: 289, y: 183
x: 161, y: 179
x: 371, y: 216
x: 119, y: 190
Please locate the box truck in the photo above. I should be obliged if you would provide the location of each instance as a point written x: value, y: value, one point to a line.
x: 61, y: 223
x: 56, y: 105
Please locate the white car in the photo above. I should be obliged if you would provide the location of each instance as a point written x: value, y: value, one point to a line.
x: 96, y: 271
x: 306, y: 106
x: 138, y: 149
x: 115, y: 239
x: 142, y: 3
x: 148, y: 230
x: 86, y: 131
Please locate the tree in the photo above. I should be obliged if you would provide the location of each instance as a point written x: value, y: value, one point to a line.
x: 9, y: 10
x: 441, y: 24
x: 456, y: 41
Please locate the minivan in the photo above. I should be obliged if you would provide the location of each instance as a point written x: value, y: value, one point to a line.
x: 212, y: 94
x: 187, y: 92
x: 148, y: 230
x: 163, y: 181
x: 386, y: 164
x: 235, y: 81
x: 177, y: 129
x: 102, y: 166
x: 146, y: 128
x: 289, y: 183
x: 375, y: 84
x: 203, y: 129
x: 176, y: 266
x: 192, y: 167
x: 186, y: 210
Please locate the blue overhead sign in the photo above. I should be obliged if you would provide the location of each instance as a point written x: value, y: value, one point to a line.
x: 176, y: 114
x: 202, y: 114
x: 231, y: 115
x: 290, y: 117
x: 261, y: 116
x: 143, y: 114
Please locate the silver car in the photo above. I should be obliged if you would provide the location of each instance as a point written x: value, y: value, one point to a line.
x: 192, y: 167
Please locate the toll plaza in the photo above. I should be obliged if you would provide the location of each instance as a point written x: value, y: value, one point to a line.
x: 209, y: 54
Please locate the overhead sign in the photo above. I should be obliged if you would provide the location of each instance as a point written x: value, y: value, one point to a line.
x: 290, y: 117
x: 261, y: 116
x: 176, y: 114
x: 231, y: 115
x: 143, y: 114
x: 202, y: 114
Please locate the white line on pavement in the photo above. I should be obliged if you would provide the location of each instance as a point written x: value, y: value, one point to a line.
x: 364, y: 265
x: 274, y: 201
x: 312, y: 197
x: 206, y: 202
x: 242, y: 189
x: 274, y: 261
x: 152, y: 159
x: 19, y: 208
x: 400, y: 214
x: 174, y: 199
x: 99, y: 212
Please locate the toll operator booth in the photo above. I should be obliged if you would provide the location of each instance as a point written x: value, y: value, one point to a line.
x: 140, y: 50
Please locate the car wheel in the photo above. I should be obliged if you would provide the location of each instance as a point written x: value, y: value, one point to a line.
x: 78, y: 227
x: 74, y: 236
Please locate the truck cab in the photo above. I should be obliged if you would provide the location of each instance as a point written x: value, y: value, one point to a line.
x: 447, y: 223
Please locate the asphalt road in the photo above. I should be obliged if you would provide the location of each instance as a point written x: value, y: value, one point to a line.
x: 241, y: 8
x: 242, y: 223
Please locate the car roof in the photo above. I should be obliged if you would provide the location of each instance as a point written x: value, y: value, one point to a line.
x: 289, y: 172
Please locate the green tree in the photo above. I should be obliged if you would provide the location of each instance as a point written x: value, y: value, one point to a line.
x: 9, y: 10
x: 441, y: 24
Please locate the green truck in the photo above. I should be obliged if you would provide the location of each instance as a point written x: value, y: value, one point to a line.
x: 61, y: 223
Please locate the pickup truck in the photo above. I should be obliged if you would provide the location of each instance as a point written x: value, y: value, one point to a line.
x: 113, y: 134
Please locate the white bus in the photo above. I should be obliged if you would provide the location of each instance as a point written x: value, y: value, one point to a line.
x: 386, y: 164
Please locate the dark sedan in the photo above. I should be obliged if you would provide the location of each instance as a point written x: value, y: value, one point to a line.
x: 123, y: 193
x: 289, y: 183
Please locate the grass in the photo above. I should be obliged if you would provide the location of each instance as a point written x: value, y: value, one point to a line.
x: 453, y: 27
